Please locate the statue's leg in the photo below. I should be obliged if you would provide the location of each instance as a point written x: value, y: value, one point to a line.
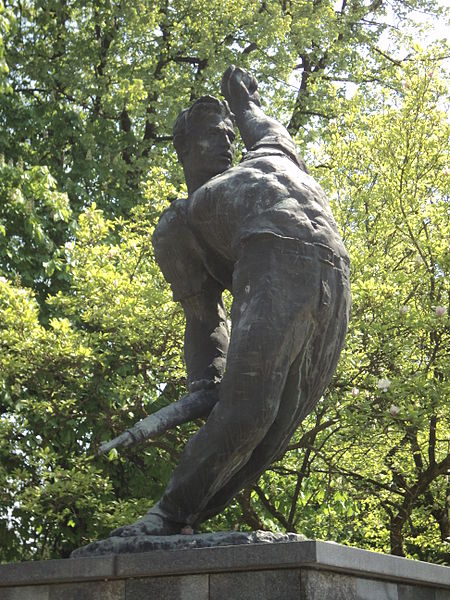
x: 271, y: 447
x: 278, y: 305
x: 183, y: 264
x: 248, y: 403
x: 308, y: 377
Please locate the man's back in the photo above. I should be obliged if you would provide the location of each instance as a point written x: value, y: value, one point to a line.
x: 267, y: 193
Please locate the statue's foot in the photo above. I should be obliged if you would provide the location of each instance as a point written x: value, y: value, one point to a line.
x: 153, y: 523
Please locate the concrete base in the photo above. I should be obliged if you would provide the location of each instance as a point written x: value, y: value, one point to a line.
x: 305, y: 570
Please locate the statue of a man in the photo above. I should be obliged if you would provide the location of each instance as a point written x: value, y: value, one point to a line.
x: 263, y: 230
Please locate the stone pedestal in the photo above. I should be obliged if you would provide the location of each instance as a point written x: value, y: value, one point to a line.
x: 305, y: 570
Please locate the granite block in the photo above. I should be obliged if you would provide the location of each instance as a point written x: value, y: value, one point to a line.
x: 57, y: 571
x: 249, y: 557
x: 328, y: 572
x: 415, y: 592
x: 193, y: 587
x: 256, y: 585
x: 27, y: 592
x: 324, y: 585
x: 92, y: 590
x: 364, y: 563
x: 371, y: 589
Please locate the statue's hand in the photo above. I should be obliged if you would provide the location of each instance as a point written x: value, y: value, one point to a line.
x: 239, y: 87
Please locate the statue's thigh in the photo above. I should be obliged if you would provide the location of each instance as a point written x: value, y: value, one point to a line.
x: 276, y: 299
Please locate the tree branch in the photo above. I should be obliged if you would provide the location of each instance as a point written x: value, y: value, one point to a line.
x: 272, y: 510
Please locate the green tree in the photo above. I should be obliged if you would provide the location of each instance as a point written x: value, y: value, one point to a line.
x: 33, y: 222
x: 95, y: 86
x: 5, y: 21
x: 90, y: 341
x: 371, y: 466
x: 99, y: 83
x: 100, y: 364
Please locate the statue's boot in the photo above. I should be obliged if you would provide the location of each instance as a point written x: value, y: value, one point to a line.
x: 133, y: 538
x: 154, y: 522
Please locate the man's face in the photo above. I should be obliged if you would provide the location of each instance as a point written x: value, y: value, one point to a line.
x: 209, y: 147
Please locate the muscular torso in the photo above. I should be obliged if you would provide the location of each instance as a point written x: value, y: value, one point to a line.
x: 263, y: 194
x: 267, y: 193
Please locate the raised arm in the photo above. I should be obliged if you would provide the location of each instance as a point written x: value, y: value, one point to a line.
x: 240, y: 89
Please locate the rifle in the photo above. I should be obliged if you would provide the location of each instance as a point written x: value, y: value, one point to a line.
x: 192, y: 406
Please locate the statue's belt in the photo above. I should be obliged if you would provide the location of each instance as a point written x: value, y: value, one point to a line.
x: 310, y: 250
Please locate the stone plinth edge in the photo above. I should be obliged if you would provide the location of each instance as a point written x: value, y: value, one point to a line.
x: 319, y: 555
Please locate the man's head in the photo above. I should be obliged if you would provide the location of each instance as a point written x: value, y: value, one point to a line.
x: 203, y: 137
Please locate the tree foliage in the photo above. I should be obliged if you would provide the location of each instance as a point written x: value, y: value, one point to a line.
x: 379, y: 444
x: 90, y: 341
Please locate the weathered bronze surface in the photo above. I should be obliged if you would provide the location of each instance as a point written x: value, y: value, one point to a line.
x: 263, y: 230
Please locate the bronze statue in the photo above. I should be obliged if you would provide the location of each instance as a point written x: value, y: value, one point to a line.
x: 263, y: 230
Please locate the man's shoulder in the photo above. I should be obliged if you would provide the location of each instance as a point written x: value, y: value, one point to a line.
x: 176, y: 206
x: 172, y: 218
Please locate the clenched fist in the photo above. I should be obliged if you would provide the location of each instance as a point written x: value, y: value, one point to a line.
x: 239, y: 87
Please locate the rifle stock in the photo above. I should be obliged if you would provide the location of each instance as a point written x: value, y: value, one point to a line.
x: 192, y: 406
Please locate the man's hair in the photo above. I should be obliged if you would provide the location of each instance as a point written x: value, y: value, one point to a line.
x: 186, y: 116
